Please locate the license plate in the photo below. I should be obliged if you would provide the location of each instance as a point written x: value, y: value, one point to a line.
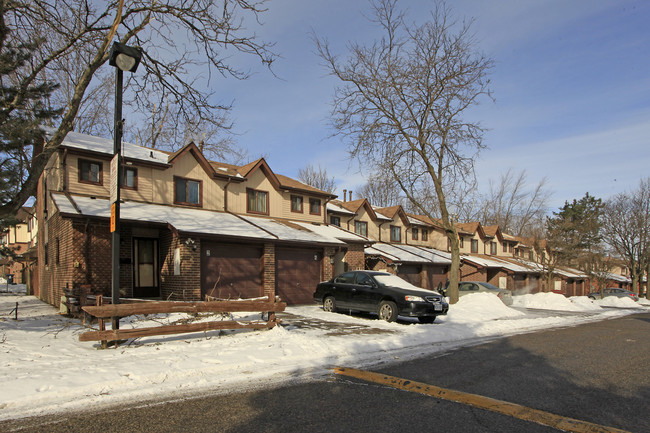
x: 437, y: 308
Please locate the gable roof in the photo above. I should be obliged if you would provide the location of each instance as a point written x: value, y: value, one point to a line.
x: 355, y: 205
x: 191, y: 149
x: 392, y: 211
x: 493, y: 231
x: 470, y: 228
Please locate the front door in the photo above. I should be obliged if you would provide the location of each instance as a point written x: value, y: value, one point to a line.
x: 145, y: 268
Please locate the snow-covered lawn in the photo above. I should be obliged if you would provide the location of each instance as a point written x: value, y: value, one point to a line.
x: 44, y: 368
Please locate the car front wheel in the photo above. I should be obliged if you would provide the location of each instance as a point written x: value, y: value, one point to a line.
x: 329, y: 304
x: 387, y: 311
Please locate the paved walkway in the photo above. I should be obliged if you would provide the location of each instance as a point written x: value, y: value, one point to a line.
x: 293, y: 321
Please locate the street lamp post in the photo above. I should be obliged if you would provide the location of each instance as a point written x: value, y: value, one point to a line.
x: 124, y: 58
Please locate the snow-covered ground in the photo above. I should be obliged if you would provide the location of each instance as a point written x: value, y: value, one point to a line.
x: 44, y: 367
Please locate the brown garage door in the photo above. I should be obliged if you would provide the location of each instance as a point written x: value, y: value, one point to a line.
x: 436, y: 277
x: 297, y: 273
x: 231, y: 271
x: 410, y: 273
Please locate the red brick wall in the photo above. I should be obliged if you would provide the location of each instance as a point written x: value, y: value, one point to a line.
x: 187, y: 285
x: 328, y: 267
x: 355, y: 257
x: 495, y: 276
x: 268, y: 276
x: 469, y: 272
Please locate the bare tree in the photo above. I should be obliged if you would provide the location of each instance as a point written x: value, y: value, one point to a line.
x: 401, y: 104
x: 513, y: 207
x: 318, y: 178
x: 626, y: 226
x: 381, y: 189
x: 184, y: 44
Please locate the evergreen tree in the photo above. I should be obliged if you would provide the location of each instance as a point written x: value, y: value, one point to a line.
x: 574, y: 233
x: 23, y: 112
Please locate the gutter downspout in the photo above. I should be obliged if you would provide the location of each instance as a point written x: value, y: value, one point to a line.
x: 325, y: 210
x: 225, y: 194
x: 64, y: 171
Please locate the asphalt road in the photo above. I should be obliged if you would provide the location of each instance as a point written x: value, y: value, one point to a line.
x: 597, y: 372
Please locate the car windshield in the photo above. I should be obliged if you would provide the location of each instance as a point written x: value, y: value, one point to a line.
x: 395, y: 281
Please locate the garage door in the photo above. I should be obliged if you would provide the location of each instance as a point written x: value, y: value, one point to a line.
x: 410, y: 273
x: 231, y: 271
x: 436, y: 277
x: 297, y: 274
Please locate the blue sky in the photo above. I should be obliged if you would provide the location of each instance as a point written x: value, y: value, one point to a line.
x: 571, y: 82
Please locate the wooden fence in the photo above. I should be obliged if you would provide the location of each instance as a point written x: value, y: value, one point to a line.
x: 104, y: 312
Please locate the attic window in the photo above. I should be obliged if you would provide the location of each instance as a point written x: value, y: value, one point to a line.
x: 395, y: 234
x: 257, y: 201
x: 90, y: 172
x: 187, y: 191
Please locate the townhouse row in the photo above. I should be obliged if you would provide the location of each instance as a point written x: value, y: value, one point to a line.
x: 193, y: 228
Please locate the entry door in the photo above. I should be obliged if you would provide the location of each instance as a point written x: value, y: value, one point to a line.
x: 146, y: 268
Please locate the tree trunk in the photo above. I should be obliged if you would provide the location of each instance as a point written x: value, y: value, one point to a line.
x: 454, y: 270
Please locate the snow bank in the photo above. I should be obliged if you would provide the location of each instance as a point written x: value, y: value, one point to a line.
x: 554, y: 301
x: 644, y: 302
x: 478, y: 307
x: 613, y: 301
x: 44, y: 368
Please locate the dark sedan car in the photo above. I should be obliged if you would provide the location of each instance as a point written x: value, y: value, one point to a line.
x: 380, y: 292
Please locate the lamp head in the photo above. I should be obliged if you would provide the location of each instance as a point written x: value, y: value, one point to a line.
x: 124, y: 57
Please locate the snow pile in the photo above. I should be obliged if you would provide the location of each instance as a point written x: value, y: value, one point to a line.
x: 44, y: 367
x: 553, y: 301
x: 478, y: 307
x: 613, y: 301
x: 584, y: 303
x: 644, y: 302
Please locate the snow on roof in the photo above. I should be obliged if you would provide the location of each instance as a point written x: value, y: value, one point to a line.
x: 103, y: 145
x: 400, y: 254
x: 290, y: 231
x: 430, y: 254
x: 334, y: 232
x: 616, y: 277
x: 197, y: 220
x: 415, y: 221
x: 494, y: 262
x: 371, y: 251
x: 333, y: 207
x: 570, y: 273
x: 183, y: 219
x: 380, y: 216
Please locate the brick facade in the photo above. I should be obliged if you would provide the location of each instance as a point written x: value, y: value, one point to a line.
x: 355, y: 257
x: 268, y: 276
x: 186, y: 286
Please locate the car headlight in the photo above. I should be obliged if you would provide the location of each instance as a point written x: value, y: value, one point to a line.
x: 411, y: 298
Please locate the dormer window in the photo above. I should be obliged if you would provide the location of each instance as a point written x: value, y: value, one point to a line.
x: 257, y: 202
x: 187, y: 191
x: 475, y: 246
x: 395, y: 234
x: 415, y: 233
x: 361, y: 228
x: 91, y: 172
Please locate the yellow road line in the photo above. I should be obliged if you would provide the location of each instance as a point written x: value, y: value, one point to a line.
x: 499, y: 406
